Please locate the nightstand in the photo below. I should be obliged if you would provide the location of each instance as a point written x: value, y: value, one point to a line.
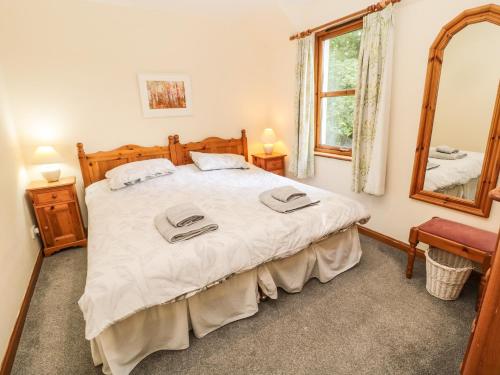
x: 58, y: 214
x: 274, y: 163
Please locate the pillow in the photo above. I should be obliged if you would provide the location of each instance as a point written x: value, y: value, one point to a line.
x: 209, y: 162
x: 138, y: 171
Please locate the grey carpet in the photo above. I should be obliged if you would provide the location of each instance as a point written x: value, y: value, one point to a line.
x: 369, y: 320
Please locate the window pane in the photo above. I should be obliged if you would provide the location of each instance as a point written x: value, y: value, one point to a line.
x: 340, y: 61
x: 337, y: 116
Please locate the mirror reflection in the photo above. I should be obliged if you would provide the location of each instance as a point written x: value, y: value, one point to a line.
x: 465, y: 104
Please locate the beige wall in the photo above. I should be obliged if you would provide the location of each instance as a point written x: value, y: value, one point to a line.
x: 17, y: 250
x: 72, y: 70
x: 468, y: 88
x: 417, y: 24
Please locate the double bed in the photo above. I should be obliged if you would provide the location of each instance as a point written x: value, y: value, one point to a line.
x: 458, y: 178
x: 144, y: 294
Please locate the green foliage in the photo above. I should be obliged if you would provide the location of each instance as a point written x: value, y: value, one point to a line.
x: 342, y: 75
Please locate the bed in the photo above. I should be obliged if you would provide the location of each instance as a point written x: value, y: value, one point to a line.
x: 143, y: 294
x: 458, y: 178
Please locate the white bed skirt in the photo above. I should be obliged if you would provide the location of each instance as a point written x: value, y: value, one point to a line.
x: 122, y: 346
x: 464, y: 191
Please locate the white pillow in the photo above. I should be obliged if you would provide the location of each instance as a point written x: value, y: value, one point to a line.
x: 208, y: 162
x: 138, y: 171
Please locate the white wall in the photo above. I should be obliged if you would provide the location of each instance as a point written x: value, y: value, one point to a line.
x: 18, y: 251
x: 418, y: 22
x: 468, y: 88
x: 72, y: 70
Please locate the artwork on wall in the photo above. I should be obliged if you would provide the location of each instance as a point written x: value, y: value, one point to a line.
x: 165, y: 95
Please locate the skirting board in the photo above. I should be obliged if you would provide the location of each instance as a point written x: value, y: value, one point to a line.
x: 388, y: 240
x: 10, y: 353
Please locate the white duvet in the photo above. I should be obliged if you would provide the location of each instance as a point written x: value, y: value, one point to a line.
x: 453, y: 172
x: 131, y: 267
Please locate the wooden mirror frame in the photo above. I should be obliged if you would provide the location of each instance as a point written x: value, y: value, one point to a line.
x: 481, y: 206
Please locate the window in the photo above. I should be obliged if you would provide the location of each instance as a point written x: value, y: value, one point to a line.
x: 336, y: 78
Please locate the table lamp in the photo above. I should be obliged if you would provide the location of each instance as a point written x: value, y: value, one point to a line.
x: 268, y: 138
x: 47, y: 156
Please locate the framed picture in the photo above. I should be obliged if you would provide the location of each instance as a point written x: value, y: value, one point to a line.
x: 165, y: 95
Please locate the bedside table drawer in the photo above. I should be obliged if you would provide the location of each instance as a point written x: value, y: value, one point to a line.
x: 54, y: 196
x: 274, y: 164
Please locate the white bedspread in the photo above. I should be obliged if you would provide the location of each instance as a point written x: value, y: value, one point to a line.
x: 131, y: 267
x: 453, y: 172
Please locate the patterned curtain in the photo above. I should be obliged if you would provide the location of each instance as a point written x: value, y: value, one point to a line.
x: 302, y: 160
x: 371, y: 123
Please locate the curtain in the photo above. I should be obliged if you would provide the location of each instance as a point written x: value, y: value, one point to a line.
x: 371, y: 120
x: 302, y: 160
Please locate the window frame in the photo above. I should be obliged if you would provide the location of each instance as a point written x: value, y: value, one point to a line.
x: 320, y: 149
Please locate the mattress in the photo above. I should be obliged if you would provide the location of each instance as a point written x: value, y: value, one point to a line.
x: 132, y: 268
x: 453, y: 172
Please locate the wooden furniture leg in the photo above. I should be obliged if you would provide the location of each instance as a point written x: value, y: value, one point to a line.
x: 412, y: 252
x: 482, y: 284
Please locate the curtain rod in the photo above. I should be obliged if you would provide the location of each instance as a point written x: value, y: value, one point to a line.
x: 370, y: 9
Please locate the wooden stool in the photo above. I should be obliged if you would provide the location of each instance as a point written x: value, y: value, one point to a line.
x: 463, y: 240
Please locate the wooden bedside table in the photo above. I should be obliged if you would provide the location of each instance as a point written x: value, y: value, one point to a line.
x: 58, y: 214
x: 274, y: 163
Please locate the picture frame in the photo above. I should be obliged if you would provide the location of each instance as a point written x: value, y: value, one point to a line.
x: 165, y: 95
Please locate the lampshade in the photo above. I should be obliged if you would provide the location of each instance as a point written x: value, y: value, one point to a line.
x: 46, y: 155
x: 268, y: 136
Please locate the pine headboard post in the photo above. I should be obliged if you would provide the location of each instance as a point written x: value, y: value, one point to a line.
x: 171, y: 145
x: 84, y: 166
x: 244, y: 143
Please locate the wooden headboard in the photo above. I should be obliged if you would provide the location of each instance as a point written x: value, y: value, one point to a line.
x: 212, y: 145
x: 94, y: 166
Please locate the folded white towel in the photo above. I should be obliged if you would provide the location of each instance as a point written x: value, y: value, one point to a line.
x: 174, y: 234
x: 447, y: 149
x: 285, y: 207
x: 287, y: 193
x: 431, y: 165
x: 441, y: 155
x: 183, y: 214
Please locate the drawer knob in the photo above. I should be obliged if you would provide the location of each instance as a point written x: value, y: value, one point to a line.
x: 54, y: 195
x: 45, y: 228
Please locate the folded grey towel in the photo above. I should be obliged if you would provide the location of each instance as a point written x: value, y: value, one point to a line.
x: 173, y: 234
x: 441, y: 155
x: 285, y: 207
x: 286, y: 193
x: 183, y: 214
x: 447, y: 149
x: 431, y: 165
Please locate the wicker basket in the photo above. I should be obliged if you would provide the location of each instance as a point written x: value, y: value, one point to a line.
x: 446, y: 273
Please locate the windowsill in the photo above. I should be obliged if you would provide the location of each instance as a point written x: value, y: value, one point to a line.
x: 333, y: 156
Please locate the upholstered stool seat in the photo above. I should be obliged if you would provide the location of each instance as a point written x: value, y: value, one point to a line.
x: 461, y: 233
x: 475, y: 244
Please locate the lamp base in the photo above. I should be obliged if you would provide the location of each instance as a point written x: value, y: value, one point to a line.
x: 268, y: 148
x: 52, y: 175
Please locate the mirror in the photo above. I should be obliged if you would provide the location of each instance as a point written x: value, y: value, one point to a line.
x: 464, y: 109
x: 456, y: 160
